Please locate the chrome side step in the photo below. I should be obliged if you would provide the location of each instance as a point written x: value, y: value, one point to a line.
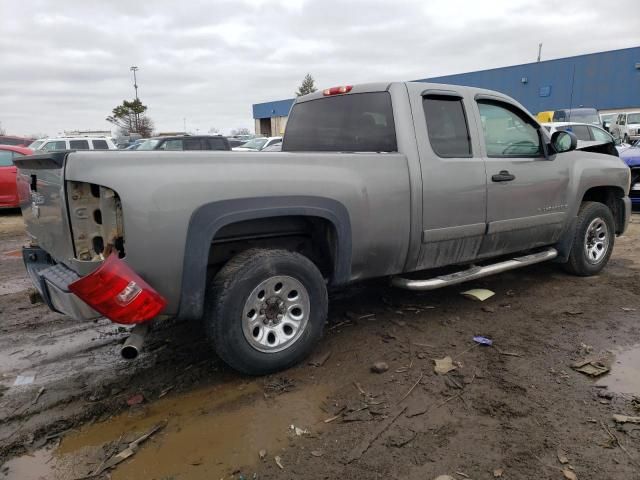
x: 474, y: 272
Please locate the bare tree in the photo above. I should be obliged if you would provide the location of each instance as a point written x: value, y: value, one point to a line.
x: 214, y: 130
x: 130, y: 116
x: 2, y: 130
x: 241, y: 131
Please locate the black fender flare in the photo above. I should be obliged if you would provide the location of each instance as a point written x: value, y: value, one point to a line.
x: 211, y: 217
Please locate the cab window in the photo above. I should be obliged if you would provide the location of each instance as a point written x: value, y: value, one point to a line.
x: 507, y: 131
x: 447, y: 126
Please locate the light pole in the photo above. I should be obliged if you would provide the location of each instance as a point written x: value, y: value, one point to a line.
x: 134, y: 69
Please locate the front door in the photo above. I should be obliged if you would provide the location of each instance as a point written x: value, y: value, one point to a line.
x: 454, y: 180
x: 526, y: 190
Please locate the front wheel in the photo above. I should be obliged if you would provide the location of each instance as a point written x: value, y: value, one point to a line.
x: 266, y: 310
x: 594, y: 239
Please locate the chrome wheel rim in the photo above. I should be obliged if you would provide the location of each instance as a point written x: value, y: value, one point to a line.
x: 596, y: 241
x: 275, y: 314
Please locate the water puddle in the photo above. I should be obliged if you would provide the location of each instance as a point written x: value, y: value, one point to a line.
x: 210, y: 433
x: 624, y: 377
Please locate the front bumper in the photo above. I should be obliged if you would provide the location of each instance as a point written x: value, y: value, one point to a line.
x: 52, y: 281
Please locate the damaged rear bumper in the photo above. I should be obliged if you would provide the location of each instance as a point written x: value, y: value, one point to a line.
x: 52, y: 281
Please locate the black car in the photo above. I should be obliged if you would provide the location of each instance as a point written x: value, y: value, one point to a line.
x: 186, y: 142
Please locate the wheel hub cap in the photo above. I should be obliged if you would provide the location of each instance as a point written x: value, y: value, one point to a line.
x: 275, y: 314
x: 596, y: 241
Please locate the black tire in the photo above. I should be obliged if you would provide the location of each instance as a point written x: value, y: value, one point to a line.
x: 227, y: 299
x: 579, y: 262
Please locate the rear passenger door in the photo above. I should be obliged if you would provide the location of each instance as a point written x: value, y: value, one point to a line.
x: 526, y: 191
x: 453, y: 179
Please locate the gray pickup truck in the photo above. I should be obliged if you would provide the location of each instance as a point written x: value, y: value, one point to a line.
x: 374, y: 180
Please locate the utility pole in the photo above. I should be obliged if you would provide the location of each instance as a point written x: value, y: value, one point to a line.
x: 184, y: 125
x: 134, y: 69
x: 539, y: 51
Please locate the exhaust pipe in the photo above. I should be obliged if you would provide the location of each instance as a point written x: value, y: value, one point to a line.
x: 133, y: 345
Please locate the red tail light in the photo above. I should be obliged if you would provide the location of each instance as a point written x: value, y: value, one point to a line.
x: 337, y: 90
x: 118, y: 293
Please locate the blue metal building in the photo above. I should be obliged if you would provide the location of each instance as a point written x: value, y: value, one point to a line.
x: 605, y: 80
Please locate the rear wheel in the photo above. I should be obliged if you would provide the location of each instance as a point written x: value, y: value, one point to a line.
x: 266, y: 310
x: 594, y: 239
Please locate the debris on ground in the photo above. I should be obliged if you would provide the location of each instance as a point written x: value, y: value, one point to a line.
x: 562, y: 457
x: 131, y: 450
x: 320, y: 360
x: 317, y: 453
x: 593, y: 368
x: 278, y: 461
x: 497, y: 473
x: 280, y: 386
x: 38, y: 395
x: 298, y: 431
x: 24, y: 380
x: 628, y: 309
x: 262, y: 454
x: 412, y: 387
x: 625, y: 419
x: 573, y: 312
x: 483, y: 340
x: 569, y: 475
x: 489, y: 309
x: 443, y: 365
x: 478, y: 294
x: 444, y: 477
x: 136, y: 399
x: 364, y: 445
x: 165, y: 391
x: 379, y: 367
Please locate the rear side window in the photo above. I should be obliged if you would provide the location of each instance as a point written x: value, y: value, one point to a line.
x: 361, y: 122
x: 55, y: 145
x: 79, y: 144
x: 214, y: 143
x: 6, y: 158
x: 100, y: 145
x: 172, y: 145
x: 191, y: 144
x: 447, y: 126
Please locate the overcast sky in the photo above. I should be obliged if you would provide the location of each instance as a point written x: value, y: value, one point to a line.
x: 65, y: 64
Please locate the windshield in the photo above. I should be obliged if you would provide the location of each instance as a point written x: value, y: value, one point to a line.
x: 633, y: 118
x: 149, y: 144
x: 36, y: 145
x: 255, y: 144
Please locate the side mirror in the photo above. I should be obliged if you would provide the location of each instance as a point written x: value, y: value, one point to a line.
x: 617, y: 141
x: 563, y: 141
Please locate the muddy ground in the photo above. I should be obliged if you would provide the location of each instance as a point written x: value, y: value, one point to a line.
x: 516, y: 410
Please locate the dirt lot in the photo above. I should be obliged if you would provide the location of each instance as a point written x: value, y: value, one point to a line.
x: 516, y: 410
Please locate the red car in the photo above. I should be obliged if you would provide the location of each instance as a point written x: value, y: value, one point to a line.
x: 8, y: 188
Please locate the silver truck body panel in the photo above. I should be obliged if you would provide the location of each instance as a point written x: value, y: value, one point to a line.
x: 163, y: 189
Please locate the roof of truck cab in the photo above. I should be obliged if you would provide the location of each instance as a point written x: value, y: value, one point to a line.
x: 424, y: 86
